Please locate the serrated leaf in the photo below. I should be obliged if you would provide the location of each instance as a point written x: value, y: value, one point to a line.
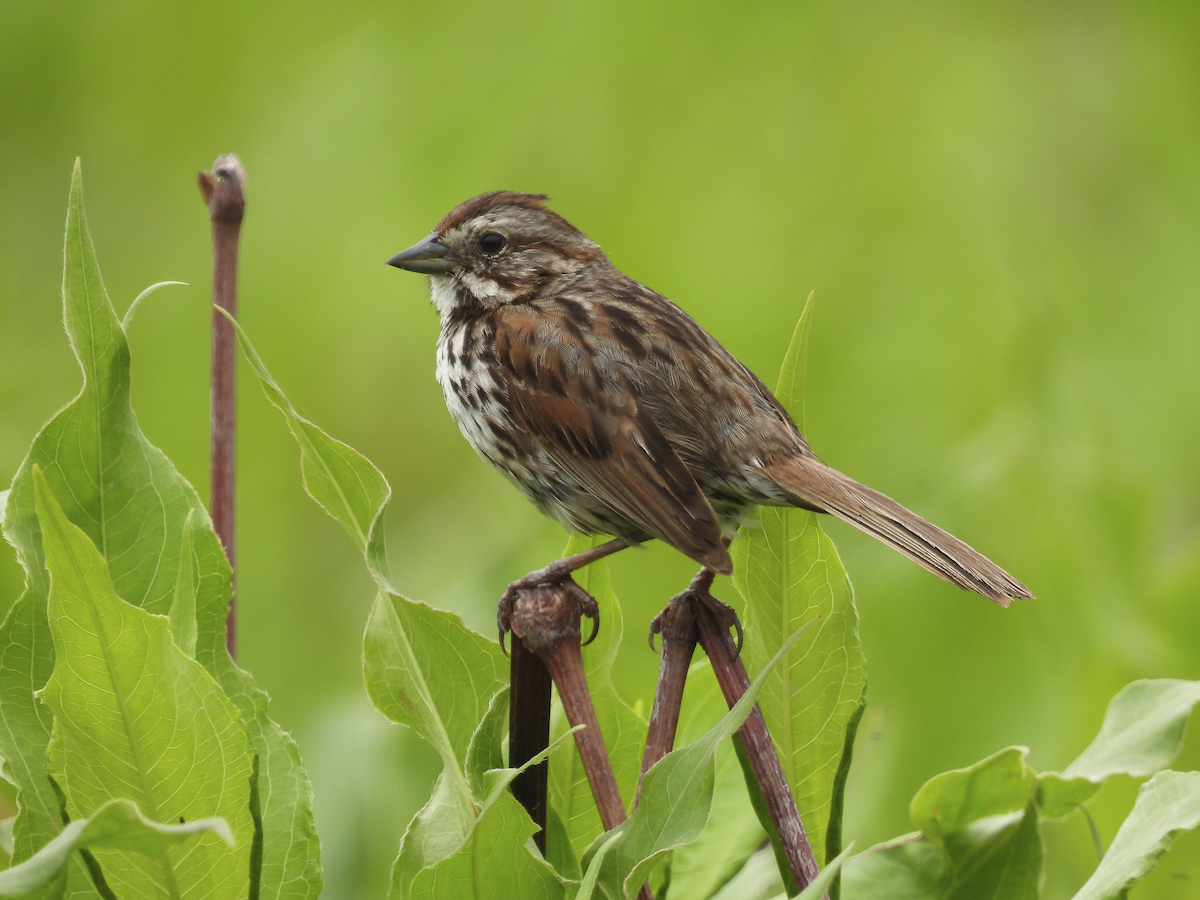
x: 129, y: 499
x: 1166, y: 804
x: 623, y: 730
x: 118, y: 826
x: 135, y: 717
x: 676, y: 802
x: 788, y: 572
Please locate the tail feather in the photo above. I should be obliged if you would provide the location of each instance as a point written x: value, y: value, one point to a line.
x: 812, y: 484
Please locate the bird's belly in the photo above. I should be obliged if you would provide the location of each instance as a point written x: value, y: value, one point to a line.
x: 478, y: 403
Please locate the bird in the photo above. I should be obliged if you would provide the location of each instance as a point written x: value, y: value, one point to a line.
x: 616, y: 413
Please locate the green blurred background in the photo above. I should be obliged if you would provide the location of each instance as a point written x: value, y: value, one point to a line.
x: 996, y: 203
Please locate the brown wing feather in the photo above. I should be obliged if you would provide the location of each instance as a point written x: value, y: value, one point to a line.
x: 605, y: 440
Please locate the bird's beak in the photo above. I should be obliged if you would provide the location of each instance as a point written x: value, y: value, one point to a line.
x: 429, y: 257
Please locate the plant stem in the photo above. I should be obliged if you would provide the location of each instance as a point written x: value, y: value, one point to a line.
x: 677, y: 625
x: 546, y: 619
x: 529, y: 732
x: 731, y: 676
x: 222, y: 191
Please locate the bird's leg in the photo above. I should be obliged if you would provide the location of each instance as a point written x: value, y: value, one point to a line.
x: 559, y: 572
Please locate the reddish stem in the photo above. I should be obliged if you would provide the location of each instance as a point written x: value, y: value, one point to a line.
x: 677, y: 625
x: 731, y: 676
x: 546, y: 619
x: 222, y: 191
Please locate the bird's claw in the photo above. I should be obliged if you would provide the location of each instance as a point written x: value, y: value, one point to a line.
x: 551, y: 576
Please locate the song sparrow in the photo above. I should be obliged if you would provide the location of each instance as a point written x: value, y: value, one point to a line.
x: 615, y: 413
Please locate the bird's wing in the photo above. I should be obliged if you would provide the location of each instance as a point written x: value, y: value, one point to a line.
x: 591, y: 424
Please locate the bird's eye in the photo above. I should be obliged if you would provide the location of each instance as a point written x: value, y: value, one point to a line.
x: 491, y: 243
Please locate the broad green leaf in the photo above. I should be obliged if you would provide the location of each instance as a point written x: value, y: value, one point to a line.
x: 182, y: 617
x: 135, y: 718
x: 676, y: 801
x: 435, y: 833
x: 132, y: 503
x: 425, y: 669
x: 488, y: 852
x: 1167, y: 804
x: 999, y: 857
x: 495, y: 863
x: 623, y: 730
x: 788, y: 572
x: 1142, y: 732
x: 733, y: 832
x: 118, y: 826
x: 951, y: 802
x: 908, y: 868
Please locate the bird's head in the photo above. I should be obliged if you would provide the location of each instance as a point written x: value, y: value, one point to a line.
x: 500, y: 247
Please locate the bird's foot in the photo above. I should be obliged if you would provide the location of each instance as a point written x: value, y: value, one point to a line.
x: 554, y: 575
x: 700, y: 589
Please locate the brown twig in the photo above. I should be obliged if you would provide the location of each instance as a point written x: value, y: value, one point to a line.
x: 677, y: 625
x: 529, y: 732
x: 546, y: 619
x: 731, y: 676
x: 222, y: 191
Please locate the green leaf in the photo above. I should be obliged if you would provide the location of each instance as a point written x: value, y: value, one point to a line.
x: 949, y: 803
x: 135, y: 717
x: 1167, y: 804
x: 676, y: 801
x: 623, y: 730
x: 423, y: 667
x: 182, y: 616
x: 491, y: 858
x: 790, y: 389
x: 908, y: 868
x: 127, y: 319
x: 789, y: 573
x: 486, y: 751
x: 495, y: 863
x: 435, y: 833
x: 998, y: 857
x: 1143, y: 731
x: 117, y: 826
x: 343, y: 481
x: 132, y: 503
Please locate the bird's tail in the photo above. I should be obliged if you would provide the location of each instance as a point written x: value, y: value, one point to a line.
x: 813, y: 485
